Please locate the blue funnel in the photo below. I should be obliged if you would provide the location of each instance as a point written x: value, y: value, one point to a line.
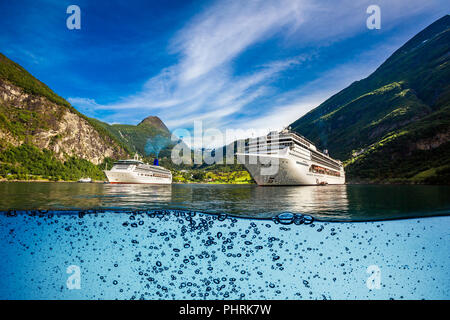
x: 156, y: 162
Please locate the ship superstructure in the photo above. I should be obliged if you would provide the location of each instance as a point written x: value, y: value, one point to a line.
x: 136, y: 171
x: 287, y: 158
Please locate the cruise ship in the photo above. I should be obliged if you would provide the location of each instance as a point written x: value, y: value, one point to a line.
x: 136, y: 171
x: 286, y: 158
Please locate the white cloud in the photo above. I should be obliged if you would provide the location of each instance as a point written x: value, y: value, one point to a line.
x: 203, y: 84
x: 227, y: 29
x: 85, y: 102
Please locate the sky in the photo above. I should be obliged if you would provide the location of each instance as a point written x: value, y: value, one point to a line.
x: 248, y: 64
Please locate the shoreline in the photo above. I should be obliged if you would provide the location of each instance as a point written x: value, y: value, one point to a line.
x: 106, y: 182
x: 224, y: 183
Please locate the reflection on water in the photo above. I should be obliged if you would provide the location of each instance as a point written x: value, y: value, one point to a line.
x: 134, y: 195
x: 344, y: 202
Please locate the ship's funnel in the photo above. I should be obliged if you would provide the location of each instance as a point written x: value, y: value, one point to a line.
x: 156, y: 162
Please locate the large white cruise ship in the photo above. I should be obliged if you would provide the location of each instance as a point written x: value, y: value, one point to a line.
x: 286, y: 158
x: 135, y: 171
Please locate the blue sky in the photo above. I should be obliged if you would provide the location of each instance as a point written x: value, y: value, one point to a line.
x: 231, y: 64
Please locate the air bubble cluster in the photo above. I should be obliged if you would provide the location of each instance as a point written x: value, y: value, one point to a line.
x: 179, y: 254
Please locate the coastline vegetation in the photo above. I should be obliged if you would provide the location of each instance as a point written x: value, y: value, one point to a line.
x: 28, y: 163
x: 212, y: 177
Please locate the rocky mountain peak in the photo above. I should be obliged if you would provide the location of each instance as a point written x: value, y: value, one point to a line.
x: 154, y: 121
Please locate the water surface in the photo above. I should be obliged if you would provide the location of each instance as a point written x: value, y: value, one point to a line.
x: 331, y: 203
x: 153, y: 252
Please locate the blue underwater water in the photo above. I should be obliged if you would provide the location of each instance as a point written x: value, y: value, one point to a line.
x: 181, y: 255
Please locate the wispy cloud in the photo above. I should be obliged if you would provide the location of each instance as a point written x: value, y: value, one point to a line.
x: 228, y: 28
x: 202, y: 85
x: 205, y: 83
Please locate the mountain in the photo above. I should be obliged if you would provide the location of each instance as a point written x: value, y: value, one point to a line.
x: 43, y: 136
x: 148, y: 138
x: 393, y: 126
x: 154, y: 122
x: 37, y: 125
x: 30, y: 112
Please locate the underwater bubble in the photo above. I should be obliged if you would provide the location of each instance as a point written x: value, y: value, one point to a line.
x: 285, y: 218
x: 308, y: 219
x: 257, y: 262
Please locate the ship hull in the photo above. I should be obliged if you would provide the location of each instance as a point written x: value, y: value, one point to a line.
x: 286, y: 171
x: 130, y: 177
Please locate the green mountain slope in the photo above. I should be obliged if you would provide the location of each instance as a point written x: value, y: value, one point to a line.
x: 43, y: 136
x: 148, y: 138
x: 13, y: 73
x: 392, y: 126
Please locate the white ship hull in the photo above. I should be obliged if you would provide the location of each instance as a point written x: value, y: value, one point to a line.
x: 289, y: 171
x: 129, y: 177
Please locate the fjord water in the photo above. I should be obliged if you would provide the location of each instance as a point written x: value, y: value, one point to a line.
x: 178, y: 254
x: 327, y: 203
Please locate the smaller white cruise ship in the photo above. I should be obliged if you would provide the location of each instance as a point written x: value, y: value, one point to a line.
x: 286, y: 158
x: 136, y: 171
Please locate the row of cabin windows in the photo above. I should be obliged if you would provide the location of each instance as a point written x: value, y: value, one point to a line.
x: 263, y: 146
x: 296, y: 139
x: 325, y: 161
x: 317, y: 169
x: 153, y: 175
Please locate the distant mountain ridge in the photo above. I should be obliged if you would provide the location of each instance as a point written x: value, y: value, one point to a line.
x: 393, y: 126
